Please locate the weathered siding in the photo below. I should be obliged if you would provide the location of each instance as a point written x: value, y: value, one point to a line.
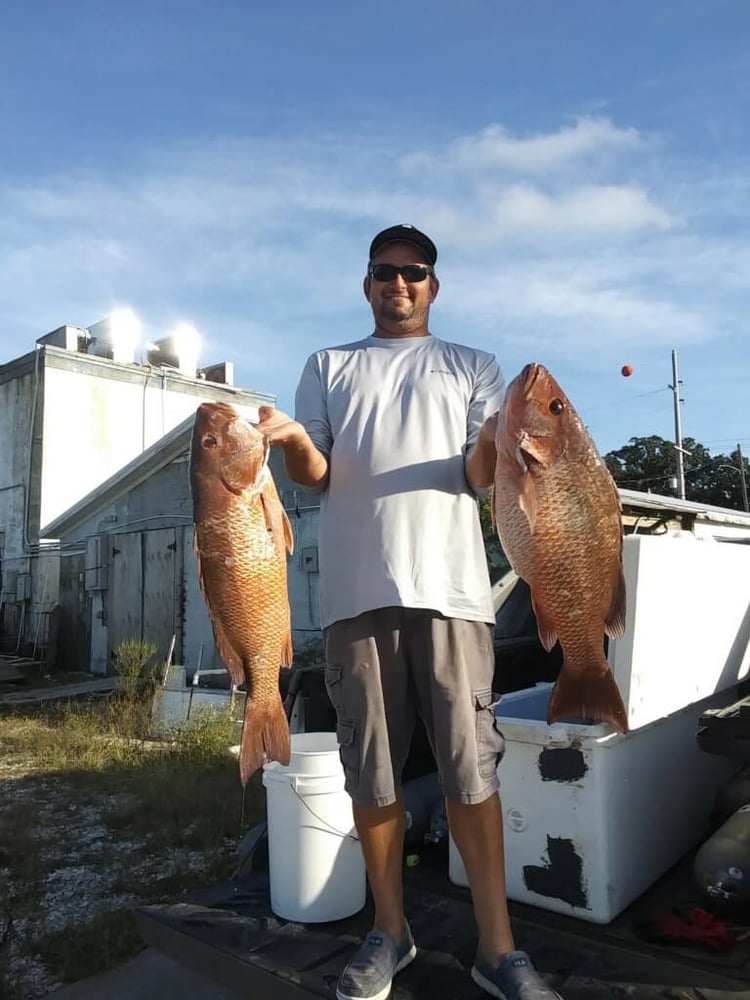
x: 124, y: 599
x: 16, y: 404
x: 302, y: 572
x: 148, y: 585
x: 160, y: 588
x: 143, y: 592
x: 73, y: 632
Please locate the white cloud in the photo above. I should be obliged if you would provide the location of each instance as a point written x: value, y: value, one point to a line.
x: 586, y: 208
x: 262, y: 244
x: 495, y: 148
x: 566, y: 307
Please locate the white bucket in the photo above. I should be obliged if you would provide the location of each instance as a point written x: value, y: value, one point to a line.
x: 316, y: 868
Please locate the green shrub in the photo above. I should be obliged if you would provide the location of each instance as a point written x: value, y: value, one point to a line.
x: 138, y: 673
x: 207, y: 734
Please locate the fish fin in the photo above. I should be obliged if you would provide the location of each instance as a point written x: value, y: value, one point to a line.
x: 614, y: 624
x: 231, y: 660
x: 265, y: 736
x: 287, y: 650
x: 547, y: 633
x: 527, y: 499
x: 288, y: 536
x: 591, y: 694
x: 276, y: 520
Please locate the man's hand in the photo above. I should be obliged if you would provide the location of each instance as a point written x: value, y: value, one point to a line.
x: 488, y: 430
x: 279, y: 428
x: 480, y: 462
x: 304, y: 463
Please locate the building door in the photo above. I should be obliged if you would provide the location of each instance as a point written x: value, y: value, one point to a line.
x: 142, y: 588
x: 124, y: 605
x: 160, y: 583
x: 73, y: 635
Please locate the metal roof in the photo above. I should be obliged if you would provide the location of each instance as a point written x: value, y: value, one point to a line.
x: 633, y: 500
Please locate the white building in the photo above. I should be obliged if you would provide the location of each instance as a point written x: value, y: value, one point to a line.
x: 95, y: 511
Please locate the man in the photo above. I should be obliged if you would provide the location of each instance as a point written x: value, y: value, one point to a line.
x: 397, y: 431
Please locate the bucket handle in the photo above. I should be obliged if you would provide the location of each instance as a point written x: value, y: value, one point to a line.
x: 331, y: 829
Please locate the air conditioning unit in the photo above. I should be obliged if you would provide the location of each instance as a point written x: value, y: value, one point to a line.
x: 176, y: 351
x: 70, y: 338
x: 223, y: 373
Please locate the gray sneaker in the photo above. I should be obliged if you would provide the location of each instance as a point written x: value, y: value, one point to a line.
x: 515, y: 978
x: 369, y: 974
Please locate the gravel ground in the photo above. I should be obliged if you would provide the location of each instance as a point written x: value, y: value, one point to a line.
x: 79, y: 861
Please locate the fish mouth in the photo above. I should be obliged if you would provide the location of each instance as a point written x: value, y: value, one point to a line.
x: 529, y: 375
x: 527, y: 456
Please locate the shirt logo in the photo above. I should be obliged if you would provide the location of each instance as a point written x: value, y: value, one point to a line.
x: 441, y: 371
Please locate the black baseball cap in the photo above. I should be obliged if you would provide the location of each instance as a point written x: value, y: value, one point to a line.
x: 404, y: 233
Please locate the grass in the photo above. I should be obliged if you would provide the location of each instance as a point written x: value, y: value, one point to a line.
x: 112, y: 933
x: 95, y: 820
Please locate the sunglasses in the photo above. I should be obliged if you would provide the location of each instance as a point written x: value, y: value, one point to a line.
x: 409, y: 272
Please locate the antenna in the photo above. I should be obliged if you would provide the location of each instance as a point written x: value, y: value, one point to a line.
x: 679, y: 450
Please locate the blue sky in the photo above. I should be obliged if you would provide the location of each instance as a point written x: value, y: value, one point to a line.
x: 582, y: 167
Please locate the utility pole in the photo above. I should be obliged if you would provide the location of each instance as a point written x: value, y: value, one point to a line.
x: 678, y: 428
x: 742, y: 478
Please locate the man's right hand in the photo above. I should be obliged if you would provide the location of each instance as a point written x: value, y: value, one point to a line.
x: 278, y: 427
x: 304, y: 463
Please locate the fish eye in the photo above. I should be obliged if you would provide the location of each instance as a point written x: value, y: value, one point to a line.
x: 209, y: 441
x: 556, y: 406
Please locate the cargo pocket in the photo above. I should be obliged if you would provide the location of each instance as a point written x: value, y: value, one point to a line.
x: 335, y: 687
x: 346, y: 734
x: 490, y: 741
x: 346, y: 730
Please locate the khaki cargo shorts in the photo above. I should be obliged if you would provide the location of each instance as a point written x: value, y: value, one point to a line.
x: 388, y: 664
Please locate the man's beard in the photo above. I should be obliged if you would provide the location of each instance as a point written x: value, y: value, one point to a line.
x: 405, y: 312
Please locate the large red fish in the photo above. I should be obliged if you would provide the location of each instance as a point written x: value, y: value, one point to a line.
x: 557, y: 512
x: 241, y: 537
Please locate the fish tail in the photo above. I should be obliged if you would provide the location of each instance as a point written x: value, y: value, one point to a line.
x: 590, y: 694
x: 265, y: 736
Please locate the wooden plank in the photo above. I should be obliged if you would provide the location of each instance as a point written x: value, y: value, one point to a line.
x: 737, y: 708
x: 34, y: 695
x: 21, y: 661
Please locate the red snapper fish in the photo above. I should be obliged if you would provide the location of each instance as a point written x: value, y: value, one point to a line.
x: 557, y: 513
x: 242, y: 534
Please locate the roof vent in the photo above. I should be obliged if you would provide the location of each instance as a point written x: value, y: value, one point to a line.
x: 223, y: 372
x: 180, y: 350
x: 70, y: 338
x: 115, y: 337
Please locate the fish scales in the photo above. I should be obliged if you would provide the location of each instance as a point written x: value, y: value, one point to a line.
x: 241, y: 537
x: 557, y: 513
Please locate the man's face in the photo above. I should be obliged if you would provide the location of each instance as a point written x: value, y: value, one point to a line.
x: 400, y: 306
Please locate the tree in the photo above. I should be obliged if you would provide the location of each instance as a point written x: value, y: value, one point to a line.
x: 648, y: 464
x: 497, y: 561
